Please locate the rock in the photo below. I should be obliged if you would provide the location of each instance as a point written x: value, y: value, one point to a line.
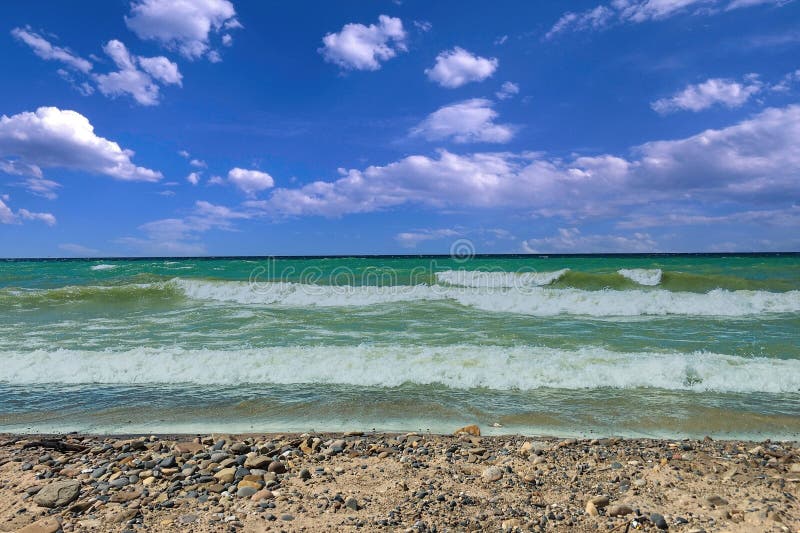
x: 125, y: 496
x: 277, y: 467
x: 526, y: 449
x: 493, y: 473
x: 187, y: 518
x: 472, y: 429
x: 287, y: 517
x: 45, y: 525
x: 716, y: 500
x: 189, y: 447
x: 120, y: 482
x: 58, y: 493
x: 246, y: 483
x: 305, y: 475
x: 619, y: 510
x: 245, y: 491
x: 352, y: 503
x: 263, y: 494
x: 225, y: 475
x: 591, y: 509
x: 600, y: 501
x: 124, y: 515
x: 167, y: 462
x: 511, y: 524
x: 658, y: 521
x: 795, y: 468
x: 257, y: 461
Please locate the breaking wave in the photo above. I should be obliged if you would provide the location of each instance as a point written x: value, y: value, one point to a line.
x: 642, y: 276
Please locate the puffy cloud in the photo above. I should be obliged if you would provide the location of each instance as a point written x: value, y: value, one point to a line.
x: 465, y: 122
x: 410, y: 239
x: 757, y: 159
x: 568, y: 240
x: 638, y: 11
x: 359, y: 47
x: 457, y: 67
x: 704, y: 95
x: 7, y: 216
x: 198, y: 163
x: 183, y: 25
x: 507, y: 90
x: 250, y: 181
x: 54, y: 138
x: 129, y: 79
x: 46, y: 50
x: 193, y: 178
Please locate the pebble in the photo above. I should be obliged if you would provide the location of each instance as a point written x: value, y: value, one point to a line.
x: 619, y: 510
x: 58, y: 493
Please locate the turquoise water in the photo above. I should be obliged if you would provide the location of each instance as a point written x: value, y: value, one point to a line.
x: 683, y: 345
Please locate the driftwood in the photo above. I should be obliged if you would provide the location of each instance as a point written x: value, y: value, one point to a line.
x: 59, y: 445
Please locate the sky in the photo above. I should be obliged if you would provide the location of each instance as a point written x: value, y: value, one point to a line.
x: 217, y: 127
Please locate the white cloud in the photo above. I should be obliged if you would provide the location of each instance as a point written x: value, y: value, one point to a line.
x: 571, y: 240
x: 161, y: 69
x: 457, y: 67
x: 410, y: 239
x: 755, y: 160
x: 198, y: 163
x: 55, y: 138
x: 193, y: 178
x: 129, y: 79
x: 507, y: 90
x: 7, y: 216
x: 423, y: 25
x: 250, y: 181
x: 465, y: 122
x: 704, y: 95
x: 46, y: 50
x: 359, y: 47
x: 184, y: 154
x: 638, y: 11
x: 181, y: 236
x: 183, y: 25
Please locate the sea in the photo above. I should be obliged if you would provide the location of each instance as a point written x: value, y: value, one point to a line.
x: 666, y: 346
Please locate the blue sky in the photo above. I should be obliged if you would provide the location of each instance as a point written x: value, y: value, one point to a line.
x: 156, y: 127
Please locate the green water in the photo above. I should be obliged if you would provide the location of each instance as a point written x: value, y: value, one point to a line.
x: 631, y: 345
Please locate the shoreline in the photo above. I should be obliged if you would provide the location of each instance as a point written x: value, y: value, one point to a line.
x: 394, y: 482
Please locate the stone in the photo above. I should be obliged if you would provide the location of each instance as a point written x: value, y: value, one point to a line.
x: 493, y: 473
x: 120, y: 482
x: 277, y: 467
x: 187, y: 518
x: 659, y: 521
x: 591, y: 509
x: 263, y: 494
x: 189, y: 447
x: 58, y: 493
x: 124, y: 515
x: 526, y: 448
x: 795, y: 468
x: 225, y: 475
x: 510, y: 524
x: 246, y: 491
x: 716, y: 500
x: 287, y: 517
x: 600, y: 501
x: 255, y: 485
x: 472, y: 429
x: 352, y: 503
x: 45, y: 525
x: 125, y: 496
x: 257, y: 461
x: 619, y: 510
x: 305, y: 475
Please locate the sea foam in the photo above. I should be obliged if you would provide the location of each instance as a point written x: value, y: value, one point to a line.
x: 496, y: 280
x: 454, y: 366
x: 103, y: 267
x: 642, y: 276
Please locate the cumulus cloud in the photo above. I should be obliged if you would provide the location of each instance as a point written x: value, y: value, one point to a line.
x: 198, y: 163
x: 507, y: 90
x: 458, y: 67
x: 704, y: 95
x: 465, y: 122
x: 54, y: 138
x: 568, y: 240
x: 638, y: 11
x: 757, y: 159
x: 48, y: 51
x: 359, y: 47
x: 250, y: 181
x: 131, y: 80
x: 8, y: 216
x: 182, y: 25
x: 193, y: 178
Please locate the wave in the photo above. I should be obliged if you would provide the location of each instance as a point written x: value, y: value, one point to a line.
x: 495, y: 280
x: 454, y: 366
x: 642, y: 276
x: 103, y: 267
x: 526, y: 300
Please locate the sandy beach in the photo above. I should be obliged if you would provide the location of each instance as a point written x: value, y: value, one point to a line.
x: 395, y: 482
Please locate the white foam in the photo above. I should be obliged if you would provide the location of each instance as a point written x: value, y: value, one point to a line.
x: 455, y: 366
x: 497, y: 280
x: 642, y: 276
x: 103, y: 267
x: 536, y: 301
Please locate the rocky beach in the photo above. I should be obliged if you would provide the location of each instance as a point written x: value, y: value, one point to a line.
x: 395, y: 482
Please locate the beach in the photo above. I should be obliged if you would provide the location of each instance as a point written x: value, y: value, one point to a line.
x: 395, y: 482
